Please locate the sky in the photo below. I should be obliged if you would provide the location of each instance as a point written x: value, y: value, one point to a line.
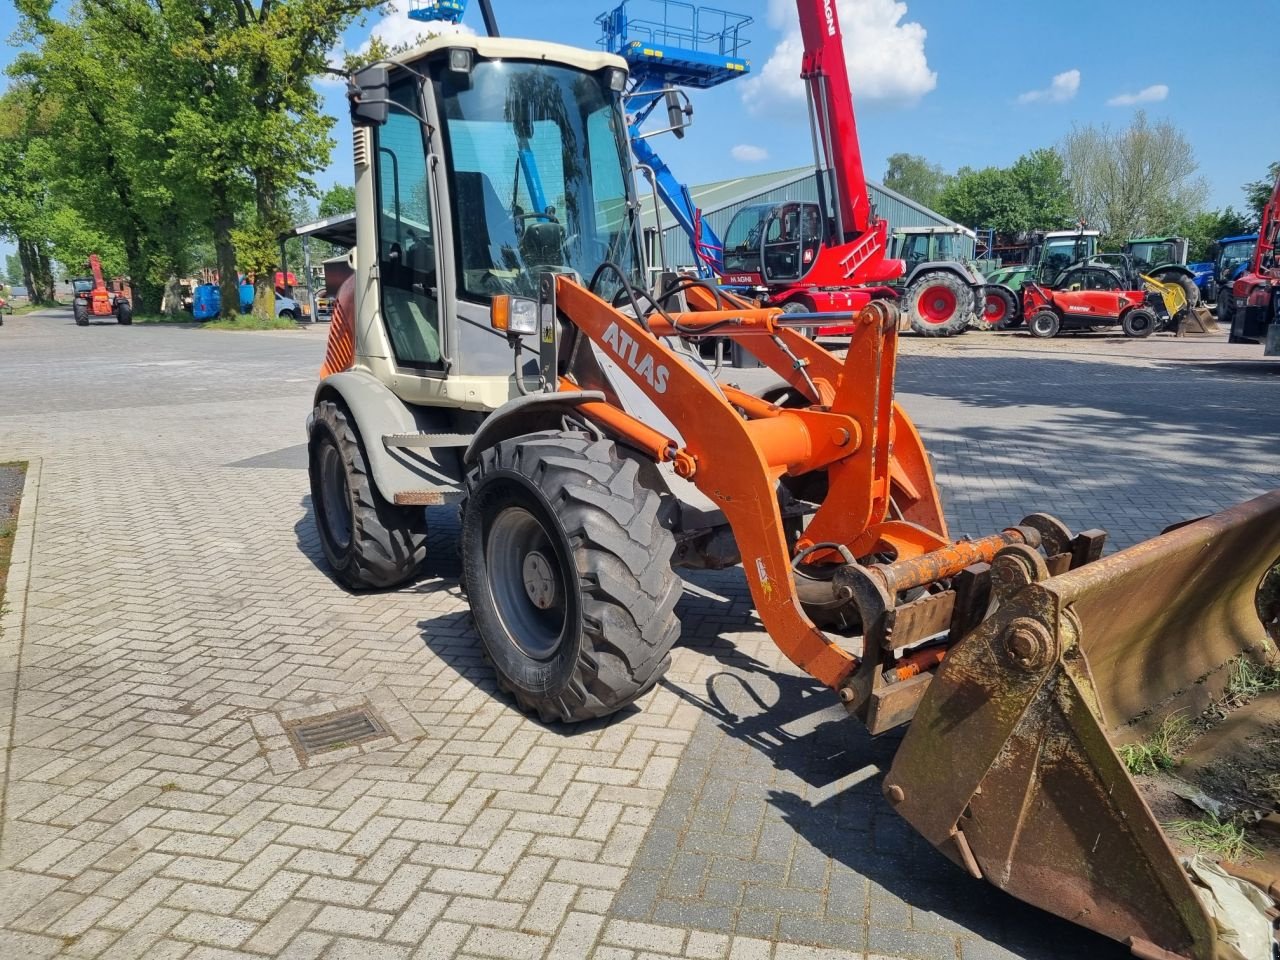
x: 960, y: 82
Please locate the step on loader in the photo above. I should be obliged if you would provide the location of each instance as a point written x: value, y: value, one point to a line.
x: 505, y: 354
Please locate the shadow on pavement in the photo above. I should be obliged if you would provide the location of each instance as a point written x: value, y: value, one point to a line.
x: 790, y: 743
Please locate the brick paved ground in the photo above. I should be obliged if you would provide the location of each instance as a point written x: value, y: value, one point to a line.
x: 176, y: 612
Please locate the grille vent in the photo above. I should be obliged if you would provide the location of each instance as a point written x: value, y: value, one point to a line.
x: 362, y: 147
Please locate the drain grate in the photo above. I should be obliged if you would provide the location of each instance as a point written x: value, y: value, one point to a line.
x: 336, y: 730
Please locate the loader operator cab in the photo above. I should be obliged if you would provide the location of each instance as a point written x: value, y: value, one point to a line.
x: 1055, y: 252
x: 487, y: 162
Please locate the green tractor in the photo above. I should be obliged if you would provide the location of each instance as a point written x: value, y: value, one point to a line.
x: 1165, y: 259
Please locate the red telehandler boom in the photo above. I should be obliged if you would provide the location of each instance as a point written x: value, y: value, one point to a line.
x: 811, y: 256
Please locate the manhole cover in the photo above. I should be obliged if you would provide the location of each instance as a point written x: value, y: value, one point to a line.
x: 335, y: 731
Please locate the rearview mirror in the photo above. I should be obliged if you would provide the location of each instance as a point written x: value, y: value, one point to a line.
x: 367, y: 91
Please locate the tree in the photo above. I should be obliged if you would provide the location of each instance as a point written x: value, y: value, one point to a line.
x: 13, y: 269
x: 916, y: 178
x: 1258, y: 192
x: 1135, y: 181
x: 989, y: 197
x: 1040, y: 176
x: 1205, y: 229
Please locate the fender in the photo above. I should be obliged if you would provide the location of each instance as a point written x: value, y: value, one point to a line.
x: 966, y: 274
x: 381, y: 413
x: 537, y: 411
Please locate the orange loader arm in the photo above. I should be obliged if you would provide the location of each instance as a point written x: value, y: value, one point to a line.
x: 736, y: 448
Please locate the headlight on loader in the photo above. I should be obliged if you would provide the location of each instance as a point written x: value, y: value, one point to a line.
x: 514, y: 316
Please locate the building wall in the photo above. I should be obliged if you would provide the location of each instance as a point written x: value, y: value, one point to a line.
x: 898, y: 210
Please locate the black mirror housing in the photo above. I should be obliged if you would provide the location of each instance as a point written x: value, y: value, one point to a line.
x: 368, y: 92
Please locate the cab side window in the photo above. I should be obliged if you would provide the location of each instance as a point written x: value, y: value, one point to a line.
x: 406, y: 238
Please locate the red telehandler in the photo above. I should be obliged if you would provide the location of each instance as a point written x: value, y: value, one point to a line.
x: 828, y: 255
x: 93, y: 298
x: 1257, y: 292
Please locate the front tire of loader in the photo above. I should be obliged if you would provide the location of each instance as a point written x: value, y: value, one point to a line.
x: 1044, y: 325
x: 1139, y: 323
x: 124, y: 314
x: 939, y: 305
x: 80, y: 313
x: 566, y: 552
x: 370, y: 544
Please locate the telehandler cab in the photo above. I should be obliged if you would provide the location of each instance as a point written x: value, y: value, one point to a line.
x: 504, y: 352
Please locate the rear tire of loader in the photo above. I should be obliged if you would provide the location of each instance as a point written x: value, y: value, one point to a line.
x: 939, y: 305
x: 370, y: 544
x: 566, y: 552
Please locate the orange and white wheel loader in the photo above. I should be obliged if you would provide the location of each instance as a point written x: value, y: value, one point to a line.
x: 506, y: 354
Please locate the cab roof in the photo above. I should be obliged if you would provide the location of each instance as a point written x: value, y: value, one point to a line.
x: 511, y: 48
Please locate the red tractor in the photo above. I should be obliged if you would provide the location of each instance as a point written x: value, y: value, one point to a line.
x: 1092, y: 295
x: 93, y: 298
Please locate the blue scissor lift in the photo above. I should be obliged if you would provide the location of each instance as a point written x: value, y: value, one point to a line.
x: 671, y: 45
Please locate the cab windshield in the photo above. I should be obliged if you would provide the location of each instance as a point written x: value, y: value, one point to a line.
x: 539, y: 170
x: 1235, y: 253
x: 1062, y: 252
x: 1148, y: 255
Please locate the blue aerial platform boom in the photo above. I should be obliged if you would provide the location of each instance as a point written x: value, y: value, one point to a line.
x: 680, y: 45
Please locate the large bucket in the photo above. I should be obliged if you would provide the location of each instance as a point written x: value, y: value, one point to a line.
x: 1011, y: 765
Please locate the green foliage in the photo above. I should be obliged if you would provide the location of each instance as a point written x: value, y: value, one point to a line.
x: 251, y: 321
x: 1161, y: 750
x: 1258, y: 192
x: 13, y: 269
x: 1135, y: 181
x: 336, y: 201
x: 1250, y: 679
x: 1033, y: 194
x: 913, y: 177
x: 1211, y: 835
x: 1204, y: 229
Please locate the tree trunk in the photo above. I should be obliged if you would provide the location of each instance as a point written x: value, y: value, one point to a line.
x: 28, y: 275
x: 43, y: 272
x: 225, y: 252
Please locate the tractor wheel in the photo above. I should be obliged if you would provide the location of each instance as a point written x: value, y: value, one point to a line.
x: 1226, y: 305
x: 566, y: 553
x: 1186, y: 283
x: 81, y: 314
x: 124, y: 314
x: 288, y: 315
x: 939, y: 305
x: 1138, y: 323
x: 999, y: 307
x: 370, y: 544
x: 1044, y: 324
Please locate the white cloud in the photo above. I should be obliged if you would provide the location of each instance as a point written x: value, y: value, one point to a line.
x: 1152, y: 94
x: 1061, y: 89
x: 886, y: 57
x: 749, y: 153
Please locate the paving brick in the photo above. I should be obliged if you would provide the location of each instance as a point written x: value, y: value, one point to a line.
x: 164, y: 632
x: 357, y: 923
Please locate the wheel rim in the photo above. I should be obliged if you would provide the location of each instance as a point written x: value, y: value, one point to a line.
x: 937, y: 304
x: 995, y: 309
x: 1042, y: 324
x: 1140, y: 323
x: 336, y: 499
x: 527, y: 582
